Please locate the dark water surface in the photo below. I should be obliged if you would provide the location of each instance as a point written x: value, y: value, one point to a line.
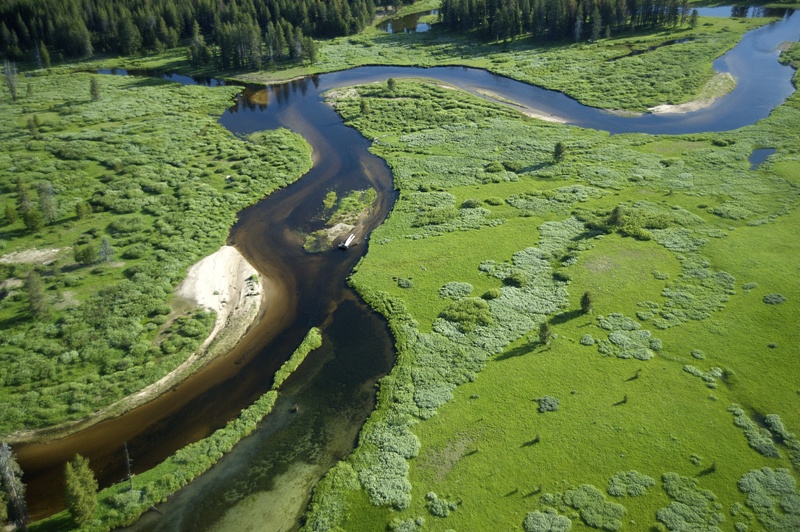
x: 334, y: 387
x: 758, y: 156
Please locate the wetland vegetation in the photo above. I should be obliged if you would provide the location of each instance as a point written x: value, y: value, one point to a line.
x: 668, y: 401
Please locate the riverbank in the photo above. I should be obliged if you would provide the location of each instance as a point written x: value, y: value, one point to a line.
x: 718, y: 86
x: 223, y: 282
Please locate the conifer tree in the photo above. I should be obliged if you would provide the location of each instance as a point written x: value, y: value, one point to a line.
x: 81, y: 490
x: 37, y: 300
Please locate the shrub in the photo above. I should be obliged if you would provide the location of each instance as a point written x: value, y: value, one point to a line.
x: 547, y: 403
x: 772, y: 495
x: 492, y: 293
x: 594, y: 509
x: 404, y: 283
x: 692, y: 509
x: 455, y: 290
x: 468, y: 313
x: 774, y: 299
x: 439, y: 507
x: 630, y: 483
x: 758, y: 438
x: 547, y: 521
x: 494, y: 201
x: 698, y: 354
x: 517, y: 278
x: 587, y: 339
x: 472, y: 203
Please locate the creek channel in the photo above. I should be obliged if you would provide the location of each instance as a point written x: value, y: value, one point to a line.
x: 274, y: 470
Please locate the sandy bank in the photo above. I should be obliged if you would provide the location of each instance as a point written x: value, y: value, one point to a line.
x: 222, y: 282
x: 720, y: 85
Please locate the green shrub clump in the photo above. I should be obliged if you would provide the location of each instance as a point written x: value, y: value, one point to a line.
x: 758, y: 438
x: 692, y: 508
x: 547, y: 521
x: 595, y: 510
x: 772, y: 495
x: 312, y: 341
x: 492, y: 293
x: 439, y: 507
x: 547, y: 403
x: 630, y: 483
x: 468, y: 313
x: 455, y: 290
x: 774, y: 299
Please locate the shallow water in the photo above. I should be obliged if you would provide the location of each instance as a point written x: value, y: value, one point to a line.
x: 758, y: 156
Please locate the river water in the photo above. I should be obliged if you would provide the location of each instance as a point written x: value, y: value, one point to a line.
x: 334, y: 388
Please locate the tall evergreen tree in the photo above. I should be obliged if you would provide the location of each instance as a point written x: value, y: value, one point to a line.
x: 106, y: 251
x: 81, y: 490
x: 37, y: 299
x: 47, y: 202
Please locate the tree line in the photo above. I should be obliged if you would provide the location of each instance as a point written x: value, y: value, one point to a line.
x: 236, y: 33
x: 80, y: 491
x: 561, y: 19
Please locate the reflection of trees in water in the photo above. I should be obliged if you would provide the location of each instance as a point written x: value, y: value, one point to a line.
x: 760, y: 11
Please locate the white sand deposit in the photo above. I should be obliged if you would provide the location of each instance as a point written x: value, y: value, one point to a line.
x: 221, y: 282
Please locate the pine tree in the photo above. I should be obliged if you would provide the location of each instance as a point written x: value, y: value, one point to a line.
x: 11, y: 480
x: 559, y: 151
x: 33, y: 219
x: 11, y: 214
x: 693, y: 19
x: 106, y: 251
x: 37, y: 300
x: 545, y: 333
x: 587, y: 302
x: 24, y: 202
x: 81, y: 490
x: 47, y: 202
x: 44, y: 56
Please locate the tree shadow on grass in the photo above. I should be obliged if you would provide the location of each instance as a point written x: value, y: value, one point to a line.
x: 566, y: 316
x: 709, y: 470
x: 15, y: 320
x: 528, y: 347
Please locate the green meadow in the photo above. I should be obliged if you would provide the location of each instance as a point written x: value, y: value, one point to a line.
x: 123, y: 194
x: 657, y: 408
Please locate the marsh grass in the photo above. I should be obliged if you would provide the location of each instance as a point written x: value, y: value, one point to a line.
x: 668, y: 415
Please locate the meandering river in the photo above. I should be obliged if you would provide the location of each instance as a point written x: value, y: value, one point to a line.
x: 273, y: 471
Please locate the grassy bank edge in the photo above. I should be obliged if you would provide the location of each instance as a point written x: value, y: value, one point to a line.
x: 122, y: 504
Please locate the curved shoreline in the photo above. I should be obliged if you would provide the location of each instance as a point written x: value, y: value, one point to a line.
x: 220, y: 282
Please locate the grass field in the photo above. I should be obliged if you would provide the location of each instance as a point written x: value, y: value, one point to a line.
x: 688, y: 257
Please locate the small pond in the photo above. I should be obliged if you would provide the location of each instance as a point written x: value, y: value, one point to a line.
x: 758, y: 157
